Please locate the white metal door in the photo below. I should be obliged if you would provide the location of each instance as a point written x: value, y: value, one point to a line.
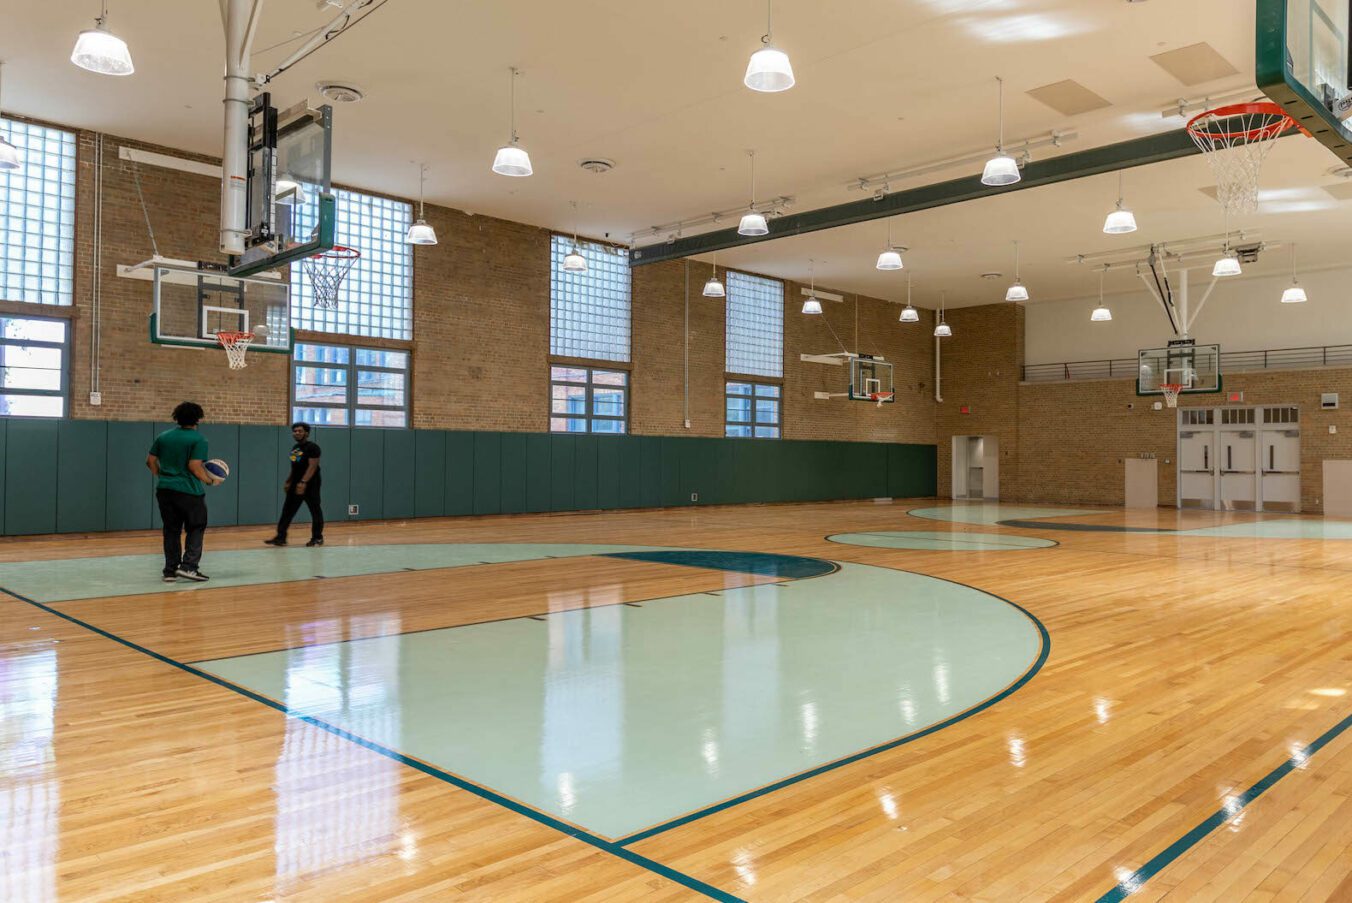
x: 1239, y: 469
x: 1197, y: 469
x: 1280, y: 467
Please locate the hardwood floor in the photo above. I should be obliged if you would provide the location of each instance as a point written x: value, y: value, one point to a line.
x: 1183, y: 670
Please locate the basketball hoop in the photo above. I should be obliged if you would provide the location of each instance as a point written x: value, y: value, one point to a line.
x: 236, y: 344
x: 881, y: 397
x: 327, y: 270
x: 1235, y: 140
x: 1170, y: 392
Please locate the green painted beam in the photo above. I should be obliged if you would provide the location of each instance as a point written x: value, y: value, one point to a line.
x: 1065, y: 168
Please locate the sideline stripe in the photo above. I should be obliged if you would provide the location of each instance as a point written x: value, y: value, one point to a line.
x: 931, y: 536
x: 872, y: 751
x: 1137, y: 879
x: 607, y: 846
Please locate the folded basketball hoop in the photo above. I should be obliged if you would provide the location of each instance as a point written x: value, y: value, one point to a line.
x: 327, y: 270
x: 1236, y: 140
x: 1170, y: 392
x: 236, y: 344
x: 881, y: 397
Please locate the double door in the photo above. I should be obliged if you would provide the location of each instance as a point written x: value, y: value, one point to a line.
x: 1242, y: 459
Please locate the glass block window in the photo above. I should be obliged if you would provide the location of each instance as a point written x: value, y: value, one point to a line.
x: 34, y: 366
x: 376, y: 297
x: 37, y: 216
x: 755, y: 328
x: 753, y: 410
x: 589, y: 312
x: 587, y: 400
x: 338, y: 385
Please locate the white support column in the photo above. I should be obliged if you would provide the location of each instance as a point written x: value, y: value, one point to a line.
x: 240, y: 18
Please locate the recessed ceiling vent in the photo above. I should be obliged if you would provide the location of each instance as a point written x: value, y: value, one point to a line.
x: 340, y: 92
x: 597, y: 165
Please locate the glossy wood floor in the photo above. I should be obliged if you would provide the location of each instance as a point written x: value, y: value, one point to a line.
x: 1183, y: 670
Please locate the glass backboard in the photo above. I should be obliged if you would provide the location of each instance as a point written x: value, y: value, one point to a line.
x: 1197, y: 368
x: 1303, y: 65
x: 192, y: 305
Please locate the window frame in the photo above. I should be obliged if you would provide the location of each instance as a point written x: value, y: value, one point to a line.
x: 588, y: 415
x: 59, y: 217
x: 573, y: 296
x: 735, y: 282
x: 353, y: 370
x: 754, y: 425
x: 63, y: 347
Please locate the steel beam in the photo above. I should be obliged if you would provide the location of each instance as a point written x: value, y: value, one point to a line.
x: 1068, y: 167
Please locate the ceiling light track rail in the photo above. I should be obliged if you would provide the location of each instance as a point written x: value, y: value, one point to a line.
x: 1021, y: 150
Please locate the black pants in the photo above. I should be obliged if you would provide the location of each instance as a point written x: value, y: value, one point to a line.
x: 182, y: 512
x: 292, y: 504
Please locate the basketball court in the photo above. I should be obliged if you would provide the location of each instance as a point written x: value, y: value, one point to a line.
x: 913, y: 469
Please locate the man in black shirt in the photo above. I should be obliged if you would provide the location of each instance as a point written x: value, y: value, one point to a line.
x: 302, y: 485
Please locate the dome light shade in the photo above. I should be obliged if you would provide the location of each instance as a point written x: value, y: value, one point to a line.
x: 942, y: 331
x: 714, y: 289
x: 1227, y: 265
x: 812, y: 306
x: 890, y: 260
x: 9, y: 156
x: 753, y: 223
x: 769, y: 71
x: 512, y: 160
x: 1294, y: 295
x: 909, y: 315
x: 1101, y: 314
x: 1017, y: 292
x: 99, y: 50
x: 289, y: 191
x: 574, y: 262
x: 420, y: 233
x: 1119, y: 222
x: 1001, y: 169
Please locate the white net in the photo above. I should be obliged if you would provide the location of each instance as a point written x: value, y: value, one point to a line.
x: 236, y: 345
x: 1170, y: 393
x: 326, y: 273
x: 881, y: 398
x: 1236, y: 140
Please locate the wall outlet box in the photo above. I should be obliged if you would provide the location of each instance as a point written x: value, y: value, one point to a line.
x: 1328, y: 401
x: 1333, y: 429
x: 353, y: 510
x: 96, y: 398
x: 687, y: 424
x: 694, y: 496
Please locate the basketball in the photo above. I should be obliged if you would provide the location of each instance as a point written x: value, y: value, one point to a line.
x: 260, y: 331
x: 217, y: 468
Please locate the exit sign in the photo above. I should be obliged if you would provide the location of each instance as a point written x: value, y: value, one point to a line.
x: 965, y: 409
x: 1236, y: 396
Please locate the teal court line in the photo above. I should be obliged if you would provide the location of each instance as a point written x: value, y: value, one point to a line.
x: 1134, y: 882
x: 607, y: 846
x: 930, y: 536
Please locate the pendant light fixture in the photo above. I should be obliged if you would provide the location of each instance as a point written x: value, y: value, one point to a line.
x: 1121, y: 220
x: 812, y: 305
x: 1295, y: 294
x: 909, y: 314
x: 1228, y: 264
x: 420, y: 233
x: 512, y: 159
x: 890, y: 258
x: 714, y: 288
x: 99, y: 50
x: 1001, y: 169
x: 942, y: 330
x: 753, y: 222
x: 1101, y: 313
x: 768, y: 70
x: 1018, y: 291
x: 10, y: 159
x: 573, y: 261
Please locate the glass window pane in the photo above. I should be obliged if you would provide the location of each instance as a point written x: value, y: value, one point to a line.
x: 323, y: 416
x: 367, y: 417
x: 754, y: 338
x: 610, y: 377
x: 379, y: 387
x: 567, y: 425
x: 568, y: 400
x: 589, y: 312
x: 608, y: 426
x: 33, y: 330
x: 29, y: 378
x: 31, y: 356
x: 568, y: 374
x: 739, y: 410
x: 370, y: 357
x: 32, y: 405
x: 767, y: 411
x: 37, y: 221
x: 608, y: 402
x: 767, y: 432
x: 767, y: 391
x: 326, y: 354
x: 739, y: 388
x: 739, y: 432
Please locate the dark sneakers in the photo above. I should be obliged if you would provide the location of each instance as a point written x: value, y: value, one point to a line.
x: 170, y: 578
x: 275, y: 541
x: 315, y: 542
x: 193, y: 575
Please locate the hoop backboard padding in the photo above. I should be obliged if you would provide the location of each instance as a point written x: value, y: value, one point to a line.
x: 1193, y: 368
x: 1236, y: 140
x: 1302, y: 63
x: 326, y: 272
x: 869, y: 378
x: 289, y: 183
x: 191, y: 307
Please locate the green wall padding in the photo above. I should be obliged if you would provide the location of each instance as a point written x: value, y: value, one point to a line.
x: 99, y: 481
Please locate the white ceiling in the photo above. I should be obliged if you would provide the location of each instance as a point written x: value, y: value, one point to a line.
x: 882, y: 84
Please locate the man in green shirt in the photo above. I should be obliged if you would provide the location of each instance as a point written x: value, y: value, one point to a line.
x: 175, y: 459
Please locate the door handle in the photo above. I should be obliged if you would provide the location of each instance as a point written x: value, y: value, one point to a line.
x: 1272, y: 457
